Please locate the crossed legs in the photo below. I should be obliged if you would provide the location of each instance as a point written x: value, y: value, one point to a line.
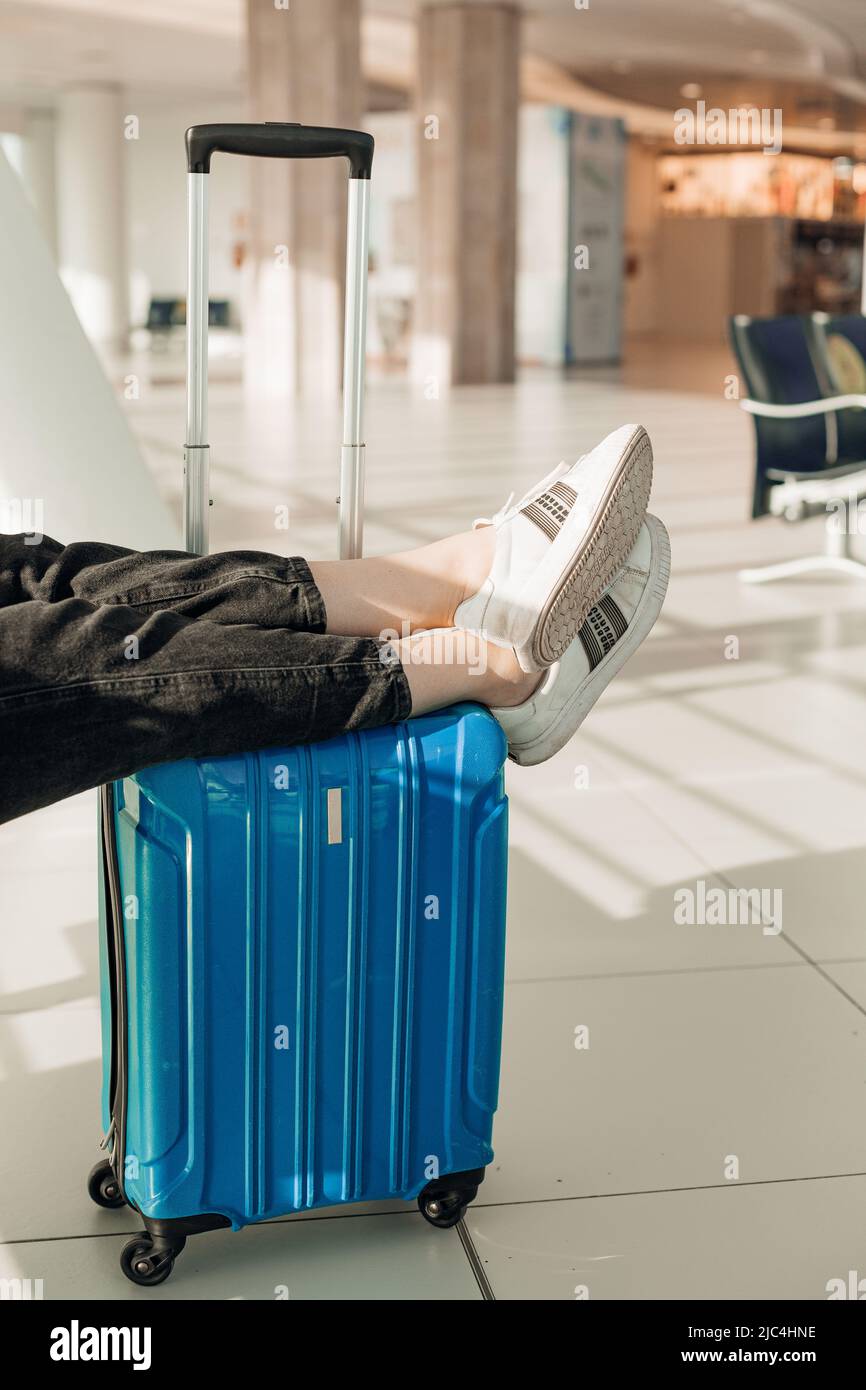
x: 112, y: 660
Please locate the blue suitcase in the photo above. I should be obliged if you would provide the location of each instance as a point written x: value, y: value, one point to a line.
x: 301, y: 949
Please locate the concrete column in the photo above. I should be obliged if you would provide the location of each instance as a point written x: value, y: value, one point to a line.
x: 91, y: 202
x: 38, y: 169
x: 467, y: 175
x: 304, y: 65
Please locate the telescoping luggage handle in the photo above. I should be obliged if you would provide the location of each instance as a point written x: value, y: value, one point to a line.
x: 277, y: 140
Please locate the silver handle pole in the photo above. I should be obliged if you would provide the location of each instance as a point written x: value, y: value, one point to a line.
x: 354, y: 354
x: 196, y: 454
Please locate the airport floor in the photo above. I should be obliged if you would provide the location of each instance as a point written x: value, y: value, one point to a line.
x: 710, y: 1142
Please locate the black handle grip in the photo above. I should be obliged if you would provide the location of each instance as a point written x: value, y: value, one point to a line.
x: 279, y: 140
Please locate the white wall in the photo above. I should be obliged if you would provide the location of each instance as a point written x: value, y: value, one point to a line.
x: 69, y: 466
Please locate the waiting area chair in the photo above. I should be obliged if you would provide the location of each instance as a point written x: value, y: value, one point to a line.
x: 806, y: 382
x: 163, y: 315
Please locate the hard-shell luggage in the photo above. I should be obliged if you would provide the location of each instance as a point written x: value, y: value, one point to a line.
x: 302, y: 949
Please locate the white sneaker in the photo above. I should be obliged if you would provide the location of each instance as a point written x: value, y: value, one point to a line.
x: 559, y: 547
x: 614, y: 629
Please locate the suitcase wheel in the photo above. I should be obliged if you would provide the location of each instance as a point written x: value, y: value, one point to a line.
x: 445, y: 1209
x: 444, y: 1200
x: 148, y: 1262
x: 104, y: 1188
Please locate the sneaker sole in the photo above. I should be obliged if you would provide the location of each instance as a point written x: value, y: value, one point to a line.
x: 572, y: 714
x: 609, y: 538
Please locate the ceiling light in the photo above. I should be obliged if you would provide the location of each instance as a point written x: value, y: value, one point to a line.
x: 691, y: 90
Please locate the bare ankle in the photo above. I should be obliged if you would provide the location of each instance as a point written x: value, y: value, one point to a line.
x: 507, y: 683
x: 476, y: 561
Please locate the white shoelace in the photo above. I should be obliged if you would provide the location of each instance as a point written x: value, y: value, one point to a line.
x: 497, y: 516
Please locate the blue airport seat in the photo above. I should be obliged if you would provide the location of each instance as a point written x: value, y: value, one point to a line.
x: 807, y: 398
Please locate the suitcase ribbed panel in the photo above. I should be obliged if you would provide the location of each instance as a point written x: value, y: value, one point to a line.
x: 258, y: 1136
x: 353, y: 1111
x: 460, y: 895
x: 404, y: 926
x: 304, y: 1029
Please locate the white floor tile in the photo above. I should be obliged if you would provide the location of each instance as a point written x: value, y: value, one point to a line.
x: 592, y: 881
x: 48, y: 892
x: 769, y: 1241
x: 379, y: 1257
x: 799, y: 832
x: 682, y: 1074
x: 50, y: 1080
x: 850, y: 976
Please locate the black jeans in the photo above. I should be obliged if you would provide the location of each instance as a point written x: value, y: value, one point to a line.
x: 112, y: 660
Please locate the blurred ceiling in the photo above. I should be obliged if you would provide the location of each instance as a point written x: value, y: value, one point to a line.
x: 736, y: 36
x: 809, y: 59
